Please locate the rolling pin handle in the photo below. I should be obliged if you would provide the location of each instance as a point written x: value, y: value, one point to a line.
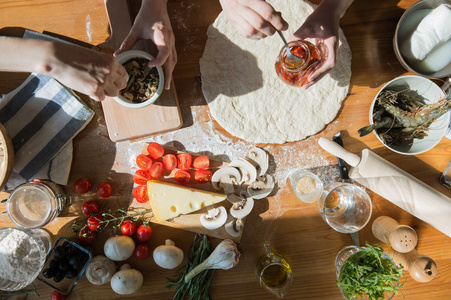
x: 335, y: 149
x: 402, y: 238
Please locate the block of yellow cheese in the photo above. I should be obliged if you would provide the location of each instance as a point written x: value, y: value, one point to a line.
x: 170, y: 200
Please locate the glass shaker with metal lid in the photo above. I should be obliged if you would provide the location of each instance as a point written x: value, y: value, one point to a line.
x: 34, y: 204
x: 297, y: 74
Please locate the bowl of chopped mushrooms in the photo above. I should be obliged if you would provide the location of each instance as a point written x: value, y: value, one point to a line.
x: 144, y: 84
x: 409, y: 115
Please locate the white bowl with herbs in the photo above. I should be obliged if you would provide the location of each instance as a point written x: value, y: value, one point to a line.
x: 144, y: 84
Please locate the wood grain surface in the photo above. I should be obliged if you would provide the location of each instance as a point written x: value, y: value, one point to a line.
x: 292, y: 227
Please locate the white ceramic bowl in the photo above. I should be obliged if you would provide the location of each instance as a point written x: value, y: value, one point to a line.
x: 406, y: 25
x: 431, y: 93
x: 125, y: 56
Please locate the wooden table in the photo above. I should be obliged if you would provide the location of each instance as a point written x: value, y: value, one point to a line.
x: 292, y: 227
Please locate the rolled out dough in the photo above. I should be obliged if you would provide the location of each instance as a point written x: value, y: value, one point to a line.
x: 247, y: 98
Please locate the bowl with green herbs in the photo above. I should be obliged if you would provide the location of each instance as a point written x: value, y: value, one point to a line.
x: 367, y: 273
x: 144, y: 84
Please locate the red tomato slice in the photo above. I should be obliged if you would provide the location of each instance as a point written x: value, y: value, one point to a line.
x: 182, y: 177
x: 141, y: 177
x: 144, y: 162
x: 170, y: 162
x: 156, y: 170
x: 201, y: 163
x: 184, y: 161
x: 202, y: 176
x: 155, y: 150
x: 140, y: 193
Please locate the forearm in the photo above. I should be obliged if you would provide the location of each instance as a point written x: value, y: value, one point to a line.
x: 25, y: 55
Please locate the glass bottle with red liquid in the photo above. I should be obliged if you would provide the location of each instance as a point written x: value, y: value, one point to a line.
x: 297, y: 74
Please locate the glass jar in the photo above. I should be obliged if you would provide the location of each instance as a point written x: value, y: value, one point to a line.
x: 297, y: 75
x: 34, y: 204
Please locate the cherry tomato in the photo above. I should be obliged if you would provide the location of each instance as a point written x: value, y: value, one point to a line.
x: 82, y: 185
x: 57, y: 296
x: 128, y: 227
x: 89, y: 207
x: 155, y: 150
x: 93, y: 222
x: 142, y: 251
x: 144, y: 233
x: 144, y: 162
x: 202, y: 176
x: 105, y: 190
x: 140, y: 193
x: 170, y: 162
x: 156, y: 170
x: 141, y: 177
x: 184, y: 161
x: 86, y: 235
x: 201, y: 163
x: 182, y: 177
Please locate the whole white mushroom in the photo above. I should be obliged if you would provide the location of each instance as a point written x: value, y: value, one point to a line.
x: 127, y: 280
x: 119, y: 248
x: 168, y: 256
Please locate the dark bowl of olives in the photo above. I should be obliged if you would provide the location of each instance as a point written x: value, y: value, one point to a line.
x: 64, y: 265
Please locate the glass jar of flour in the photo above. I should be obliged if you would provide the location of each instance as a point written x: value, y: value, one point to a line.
x: 35, y: 203
x: 297, y: 74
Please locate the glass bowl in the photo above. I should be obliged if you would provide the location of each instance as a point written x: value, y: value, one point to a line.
x: 306, y: 185
x: 343, y: 255
x: 22, y: 255
x: 65, y: 264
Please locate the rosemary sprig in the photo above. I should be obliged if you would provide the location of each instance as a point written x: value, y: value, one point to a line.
x: 117, y: 217
x: 198, y: 287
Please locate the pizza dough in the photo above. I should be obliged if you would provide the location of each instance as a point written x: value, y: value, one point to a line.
x: 247, y: 98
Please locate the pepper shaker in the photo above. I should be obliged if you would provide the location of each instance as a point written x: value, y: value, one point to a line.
x: 421, y: 268
x: 402, y: 238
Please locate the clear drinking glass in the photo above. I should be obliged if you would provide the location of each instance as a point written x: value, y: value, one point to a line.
x: 345, y: 207
x: 274, y: 272
x: 23, y: 253
x: 306, y: 185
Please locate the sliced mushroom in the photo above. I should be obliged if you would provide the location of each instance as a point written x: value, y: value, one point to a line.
x: 214, y: 219
x: 248, y: 171
x: 262, y: 187
x: 234, y: 227
x: 226, y: 178
x: 260, y: 158
x: 241, y: 209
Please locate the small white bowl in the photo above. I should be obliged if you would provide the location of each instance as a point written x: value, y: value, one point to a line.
x: 406, y: 25
x: 431, y: 93
x: 295, y: 177
x: 125, y: 56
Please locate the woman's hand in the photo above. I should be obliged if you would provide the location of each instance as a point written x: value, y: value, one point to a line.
x: 323, y: 23
x: 152, y: 22
x: 254, y: 19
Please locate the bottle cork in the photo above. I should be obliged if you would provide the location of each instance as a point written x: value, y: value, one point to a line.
x: 402, y: 238
x: 421, y: 268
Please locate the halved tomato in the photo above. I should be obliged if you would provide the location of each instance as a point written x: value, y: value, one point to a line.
x: 156, y: 170
x: 184, y: 161
x: 140, y: 193
x: 144, y: 162
x: 170, y: 162
x: 141, y: 177
x: 202, y: 176
x: 155, y: 150
x: 182, y: 177
x: 201, y: 163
